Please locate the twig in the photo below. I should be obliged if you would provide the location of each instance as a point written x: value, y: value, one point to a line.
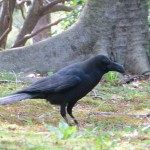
x: 20, y: 2
x: 95, y: 94
x: 15, y: 78
x: 22, y: 12
x: 9, y: 81
x: 58, y: 7
x: 45, y: 27
x: 146, y: 73
x: 133, y: 78
x: 19, y: 114
x: 120, y: 114
x: 51, y: 4
x: 1, y: 115
x: 5, y: 34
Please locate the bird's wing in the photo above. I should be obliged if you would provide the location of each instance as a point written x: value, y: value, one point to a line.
x: 67, y: 83
x: 54, y: 83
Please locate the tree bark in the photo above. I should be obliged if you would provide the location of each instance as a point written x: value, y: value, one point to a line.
x: 44, y: 20
x: 116, y: 28
x: 6, y: 11
x: 44, y: 34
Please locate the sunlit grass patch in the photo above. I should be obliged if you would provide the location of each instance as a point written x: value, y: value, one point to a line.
x: 90, y: 101
x: 106, y: 107
x: 9, y: 88
x: 115, y: 122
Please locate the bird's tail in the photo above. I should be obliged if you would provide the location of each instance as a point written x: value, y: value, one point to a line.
x: 14, y: 98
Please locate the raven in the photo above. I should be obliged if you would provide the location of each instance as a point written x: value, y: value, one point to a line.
x: 68, y: 85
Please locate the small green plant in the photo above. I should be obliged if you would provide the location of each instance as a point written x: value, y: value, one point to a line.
x: 111, y: 77
x: 8, y: 76
x: 74, y: 15
x: 63, y: 131
x: 49, y: 73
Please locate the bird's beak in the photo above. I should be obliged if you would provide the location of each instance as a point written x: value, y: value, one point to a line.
x: 116, y: 67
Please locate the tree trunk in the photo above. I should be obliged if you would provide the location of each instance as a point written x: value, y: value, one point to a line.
x: 117, y: 28
x: 6, y: 11
x: 44, y: 20
x: 44, y: 34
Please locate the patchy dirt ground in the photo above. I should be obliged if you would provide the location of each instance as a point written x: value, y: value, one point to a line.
x: 112, y: 116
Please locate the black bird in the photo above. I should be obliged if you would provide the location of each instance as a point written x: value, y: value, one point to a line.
x: 68, y: 85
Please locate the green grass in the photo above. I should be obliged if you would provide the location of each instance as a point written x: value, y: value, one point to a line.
x: 111, y: 77
x: 40, y: 126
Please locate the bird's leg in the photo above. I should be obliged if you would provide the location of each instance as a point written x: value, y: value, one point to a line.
x: 69, y: 110
x: 63, y: 112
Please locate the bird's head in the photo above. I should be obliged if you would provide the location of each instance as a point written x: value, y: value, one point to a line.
x: 105, y: 64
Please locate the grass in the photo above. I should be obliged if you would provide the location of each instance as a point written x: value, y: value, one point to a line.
x: 37, y: 125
